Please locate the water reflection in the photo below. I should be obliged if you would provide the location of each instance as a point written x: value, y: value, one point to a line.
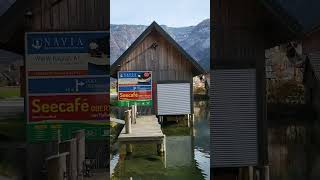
x: 294, y: 151
x: 187, y: 156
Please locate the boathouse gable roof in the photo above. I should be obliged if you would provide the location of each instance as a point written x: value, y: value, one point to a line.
x: 196, y: 68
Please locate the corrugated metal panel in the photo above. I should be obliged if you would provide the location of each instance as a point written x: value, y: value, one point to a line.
x: 174, y: 98
x: 233, y: 118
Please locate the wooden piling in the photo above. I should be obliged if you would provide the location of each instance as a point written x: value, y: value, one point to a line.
x: 162, y: 146
x: 257, y: 175
x: 80, y: 138
x: 57, y: 166
x: 240, y: 174
x: 71, y: 147
x: 266, y: 172
x: 192, y: 117
x: 128, y: 116
x: 250, y: 172
x: 161, y: 119
x: 129, y: 148
x: 134, y: 114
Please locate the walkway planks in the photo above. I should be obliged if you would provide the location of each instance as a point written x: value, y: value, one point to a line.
x: 146, y: 130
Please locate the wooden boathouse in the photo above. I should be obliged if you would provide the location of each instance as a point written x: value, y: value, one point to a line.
x: 239, y: 137
x: 172, y: 69
x: 238, y: 124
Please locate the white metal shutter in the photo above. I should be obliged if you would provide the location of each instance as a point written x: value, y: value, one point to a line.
x: 174, y: 99
x: 233, y: 118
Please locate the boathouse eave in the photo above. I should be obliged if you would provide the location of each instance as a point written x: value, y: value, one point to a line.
x: 279, y: 26
x: 196, y: 68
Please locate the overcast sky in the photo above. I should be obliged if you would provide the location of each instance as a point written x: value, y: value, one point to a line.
x: 173, y: 13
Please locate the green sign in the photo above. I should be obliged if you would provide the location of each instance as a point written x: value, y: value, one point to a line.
x: 136, y: 102
x: 48, y: 131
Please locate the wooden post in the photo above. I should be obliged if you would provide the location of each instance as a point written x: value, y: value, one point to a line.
x: 81, y: 146
x: 129, y: 148
x: 161, y: 119
x: 161, y: 148
x: 57, y: 166
x: 250, y: 172
x: 164, y: 159
x: 240, y: 174
x: 188, y: 120
x: 266, y: 172
x: 71, y: 147
x: 133, y: 114
x: 192, y: 117
x: 136, y: 110
x: 257, y: 174
x: 128, y: 116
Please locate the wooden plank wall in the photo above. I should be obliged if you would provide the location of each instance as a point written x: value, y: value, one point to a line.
x: 166, y: 62
x: 64, y: 15
x: 240, y: 39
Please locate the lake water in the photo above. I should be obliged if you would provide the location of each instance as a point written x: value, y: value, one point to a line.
x: 187, y: 156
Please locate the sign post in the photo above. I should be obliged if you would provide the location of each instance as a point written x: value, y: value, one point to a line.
x: 67, y: 85
x: 135, y: 88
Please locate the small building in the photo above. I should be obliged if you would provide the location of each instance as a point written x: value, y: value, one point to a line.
x: 244, y: 30
x: 155, y: 50
x: 238, y: 123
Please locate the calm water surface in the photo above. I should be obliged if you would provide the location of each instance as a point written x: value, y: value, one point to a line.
x: 187, y: 156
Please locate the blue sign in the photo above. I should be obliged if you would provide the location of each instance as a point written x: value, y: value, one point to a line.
x: 126, y: 78
x: 75, y: 42
x: 134, y: 74
x: 134, y: 88
x: 69, y: 85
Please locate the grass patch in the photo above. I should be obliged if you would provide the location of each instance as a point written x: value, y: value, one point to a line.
x: 8, y: 91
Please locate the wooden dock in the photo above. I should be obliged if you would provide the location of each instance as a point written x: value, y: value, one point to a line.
x: 146, y: 130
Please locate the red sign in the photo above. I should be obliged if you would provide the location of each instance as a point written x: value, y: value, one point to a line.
x: 58, y: 73
x: 135, y: 95
x: 69, y: 107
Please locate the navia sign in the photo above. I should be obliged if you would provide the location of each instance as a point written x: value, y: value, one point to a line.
x: 74, y: 42
x: 65, y: 42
